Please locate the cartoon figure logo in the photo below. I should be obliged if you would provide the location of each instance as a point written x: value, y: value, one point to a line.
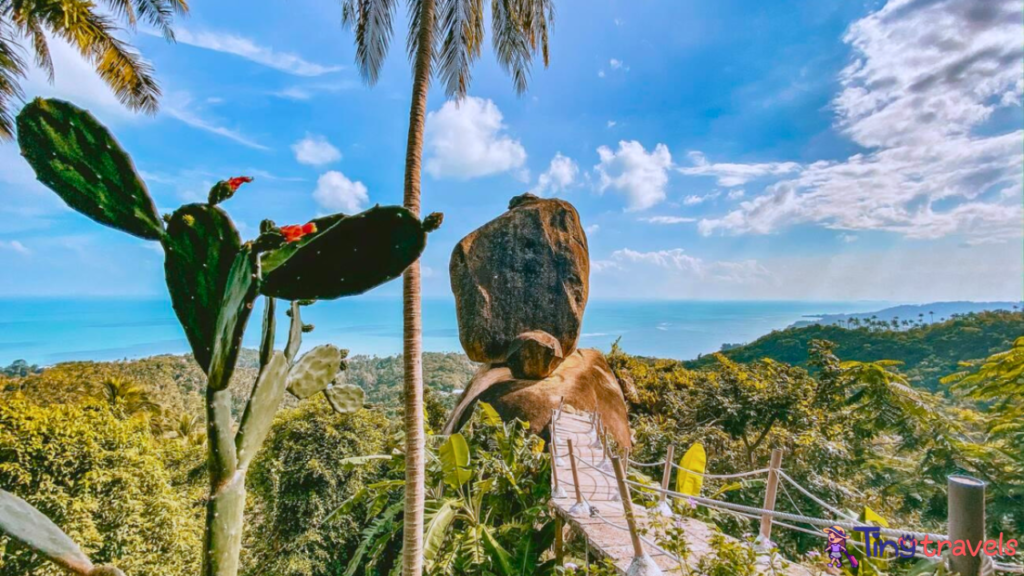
x: 836, y: 548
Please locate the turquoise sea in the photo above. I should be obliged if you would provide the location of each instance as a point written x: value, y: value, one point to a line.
x: 45, y: 331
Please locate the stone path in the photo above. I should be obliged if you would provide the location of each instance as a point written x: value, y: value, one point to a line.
x: 600, y: 491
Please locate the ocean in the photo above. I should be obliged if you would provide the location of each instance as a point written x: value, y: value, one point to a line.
x: 46, y: 331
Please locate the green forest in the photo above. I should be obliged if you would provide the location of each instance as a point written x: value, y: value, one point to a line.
x: 114, y: 452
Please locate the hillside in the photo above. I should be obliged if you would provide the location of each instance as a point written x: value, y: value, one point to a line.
x: 912, y: 314
x: 928, y: 352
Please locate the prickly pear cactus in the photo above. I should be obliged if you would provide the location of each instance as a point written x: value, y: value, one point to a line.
x: 24, y: 523
x: 240, y: 293
x: 77, y: 157
x: 200, y: 247
x: 345, y: 398
x: 314, y: 371
x: 347, y: 255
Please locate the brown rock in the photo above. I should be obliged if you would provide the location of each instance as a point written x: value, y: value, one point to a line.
x: 584, y: 380
x: 527, y: 269
x: 533, y: 355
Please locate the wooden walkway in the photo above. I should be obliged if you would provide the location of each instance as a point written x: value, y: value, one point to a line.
x: 605, y: 528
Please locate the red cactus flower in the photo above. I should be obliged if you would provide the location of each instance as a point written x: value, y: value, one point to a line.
x: 294, y: 232
x: 237, y: 181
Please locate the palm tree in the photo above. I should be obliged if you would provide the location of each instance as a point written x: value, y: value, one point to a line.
x: 448, y: 35
x: 93, y: 32
x: 127, y: 397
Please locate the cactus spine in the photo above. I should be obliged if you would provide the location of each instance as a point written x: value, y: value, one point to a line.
x: 214, y: 279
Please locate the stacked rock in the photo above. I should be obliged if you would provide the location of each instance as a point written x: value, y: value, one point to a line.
x: 521, y: 283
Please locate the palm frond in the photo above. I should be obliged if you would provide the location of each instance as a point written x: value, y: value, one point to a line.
x: 12, y: 67
x: 373, y: 22
x: 520, y: 29
x: 460, y: 32
x: 159, y: 13
x: 123, y: 69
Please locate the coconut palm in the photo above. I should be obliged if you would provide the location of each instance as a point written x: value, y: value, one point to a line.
x: 445, y: 38
x: 93, y: 32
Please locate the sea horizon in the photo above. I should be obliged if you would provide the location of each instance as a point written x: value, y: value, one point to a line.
x: 104, y: 328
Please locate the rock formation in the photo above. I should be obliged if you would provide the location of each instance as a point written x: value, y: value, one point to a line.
x: 527, y: 269
x: 521, y: 283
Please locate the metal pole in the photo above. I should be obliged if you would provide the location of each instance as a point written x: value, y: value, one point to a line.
x: 966, y: 521
x: 769, y: 494
x: 556, y: 486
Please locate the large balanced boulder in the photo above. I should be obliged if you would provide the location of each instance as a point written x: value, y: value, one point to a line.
x: 527, y: 269
x: 584, y: 380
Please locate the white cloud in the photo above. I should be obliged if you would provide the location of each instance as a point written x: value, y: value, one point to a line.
x: 180, y: 106
x: 668, y: 220
x: 246, y: 48
x: 611, y: 123
x: 729, y: 175
x: 736, y: 194
x: 294, y: 93
x: 561, y: 174
x: 14, y: 246
x: 681, y: 264
x: 592, y: 229
x: 615, y: 64
x: 640, y: 176
x: 600, y: 73
x: 849, y: 238
x: 314, y: 150
x: 694, y: 199
x: 335, y: 192
x: 924, y: 78
x: 466, y: 139
x: 917, y: 274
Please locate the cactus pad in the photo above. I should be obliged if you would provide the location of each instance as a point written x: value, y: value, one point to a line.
x: 345, y: 399
x: 24, y: 523
x: 259, y: 412
x: 200, y: 246
x: 240, y: 293
x: 77, y: 157
x: 347, y: 255
x: 314, y: 371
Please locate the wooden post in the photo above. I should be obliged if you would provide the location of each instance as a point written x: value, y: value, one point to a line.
x: 559, y: 541
x: 627, y: 506
x: 966, y: 521
x: 556, y: 486
x: 666, y: 475
x: 575, y: 474
x: 769, y: 494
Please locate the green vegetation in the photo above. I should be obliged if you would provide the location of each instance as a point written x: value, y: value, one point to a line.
x: 928, y: 352
x: 326, y: 490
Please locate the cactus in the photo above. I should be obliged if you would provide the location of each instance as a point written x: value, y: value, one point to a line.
x: 314, y: 371
x: 76, y: 157
x: 214, y: 279
x: 365, y: 250
x: 24, y: 523
x: 200, y: 247
x: 345, y: 399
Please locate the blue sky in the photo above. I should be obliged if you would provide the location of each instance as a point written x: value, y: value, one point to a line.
x: 719, y: 149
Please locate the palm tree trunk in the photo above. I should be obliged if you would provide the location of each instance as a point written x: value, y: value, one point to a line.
x: 412, y: 349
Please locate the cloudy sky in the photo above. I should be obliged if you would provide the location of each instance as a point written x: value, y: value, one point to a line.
x: 715, y: 149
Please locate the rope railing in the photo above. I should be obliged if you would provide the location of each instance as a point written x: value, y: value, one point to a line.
x: 814, y: 498
x: 767, y: 513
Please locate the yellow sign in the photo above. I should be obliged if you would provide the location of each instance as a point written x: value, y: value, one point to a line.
x: 695, y: 460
